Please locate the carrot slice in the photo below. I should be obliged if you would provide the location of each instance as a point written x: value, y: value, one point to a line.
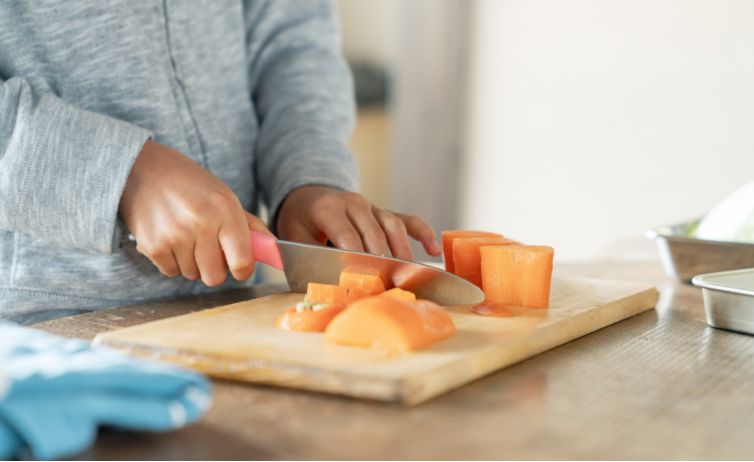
x: 400, y: 294
x: 447, y: 243
x: 387, y: 323
x: 517, y: 274
x: 333, y: 295
x: 372, y: 283
x: 308, y: 320
x: 384, y: 270
x: 326, y: 293
x: 467, y: 258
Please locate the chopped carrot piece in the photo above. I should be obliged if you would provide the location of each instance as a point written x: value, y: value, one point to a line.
x: 467, y: 258
x: 308, y: 320
x: 400, y: 294
x: 372, y: 283
x: 517, y: 275
x: 447, y: 243
x: 384, y: 271
x: 387, y: 323
x: 354, y: 293
x: 332, y: 295
x: 326, y: 293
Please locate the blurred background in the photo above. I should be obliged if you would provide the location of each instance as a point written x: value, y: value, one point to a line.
x: 578, y: 124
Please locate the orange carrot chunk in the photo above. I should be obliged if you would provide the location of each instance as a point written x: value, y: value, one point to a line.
x: 447, y: 243
x: 307, y: 320
x: 400, y: 294
x: 332, y: 295
x: 372, y: 283
x: 386, y: 323
x: 467, y: 259
x: 384, y: 271
x: 327, y: 294
x: 517, y: 275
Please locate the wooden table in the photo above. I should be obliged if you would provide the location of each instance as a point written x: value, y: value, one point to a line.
x: 658, y: 385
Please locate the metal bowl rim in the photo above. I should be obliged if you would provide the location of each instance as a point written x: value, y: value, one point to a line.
x: 656, y: 233
x: 701, y: 281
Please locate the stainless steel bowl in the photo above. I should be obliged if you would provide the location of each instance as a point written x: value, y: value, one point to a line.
x: 684, y: 256
x: 729, y: 299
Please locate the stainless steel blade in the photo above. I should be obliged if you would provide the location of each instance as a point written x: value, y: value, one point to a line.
x: 305, y: 263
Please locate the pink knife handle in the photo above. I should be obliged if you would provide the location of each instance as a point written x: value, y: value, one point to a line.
x: 265, y: 249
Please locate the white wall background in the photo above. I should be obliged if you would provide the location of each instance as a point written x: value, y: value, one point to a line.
x: 592, y: 120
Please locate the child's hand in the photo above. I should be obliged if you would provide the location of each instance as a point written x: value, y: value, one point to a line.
x: 186, y: 220
x: 316, y: 214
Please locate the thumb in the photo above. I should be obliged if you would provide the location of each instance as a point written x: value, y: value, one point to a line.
x: 256, y: 224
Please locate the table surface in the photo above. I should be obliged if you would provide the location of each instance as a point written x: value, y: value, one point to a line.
x: 659, y: 385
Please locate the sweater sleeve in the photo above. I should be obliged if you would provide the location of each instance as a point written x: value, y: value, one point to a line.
x: 62, y: 169
x: 303, y: 94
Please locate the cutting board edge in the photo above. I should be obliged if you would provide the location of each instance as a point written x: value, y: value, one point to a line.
x: 258, y: 371
x: 612, y: 313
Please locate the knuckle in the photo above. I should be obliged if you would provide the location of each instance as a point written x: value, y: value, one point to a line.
x: 199, y: 222
x: 393, y: 223
x: 197, y: 219
x: 351, y: 238
x: 154, y: 250
x: 421, y: 226
x: 374, y: 234
x: 327, y: 202
x: 357, y: 199
x: 413, y: 220
x: 217, y: 202
x: 177, y: 237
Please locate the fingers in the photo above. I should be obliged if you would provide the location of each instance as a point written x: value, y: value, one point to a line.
x: 186, y: 262
x: 185, y: 219
x: 396, y: 234
x: 211, y: 254
x: 336, y: 225
x: 166, y: 264
x: 255, y: 223
x: 422, y: 232
x: 210, y: 260
x: 298, y: 232
x: 315, y: 214
x: 236, y: 246
x: 160, y: 255
x: 372, y: 235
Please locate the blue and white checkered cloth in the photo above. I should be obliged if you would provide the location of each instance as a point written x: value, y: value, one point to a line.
x: 55, y: 392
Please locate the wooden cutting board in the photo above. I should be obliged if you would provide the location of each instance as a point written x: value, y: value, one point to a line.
x: 241, y: 342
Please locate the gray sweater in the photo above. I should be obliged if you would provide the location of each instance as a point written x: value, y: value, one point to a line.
x: 254, y: 91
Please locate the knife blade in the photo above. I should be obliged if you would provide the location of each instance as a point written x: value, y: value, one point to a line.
x: 305, y: 263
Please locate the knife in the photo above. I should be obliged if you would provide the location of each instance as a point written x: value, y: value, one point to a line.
x: 305, y: 263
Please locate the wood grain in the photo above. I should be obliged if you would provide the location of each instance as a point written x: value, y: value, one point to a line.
x: 240, y: 342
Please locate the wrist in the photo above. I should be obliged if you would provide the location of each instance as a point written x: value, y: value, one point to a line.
x: 135, y: 176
